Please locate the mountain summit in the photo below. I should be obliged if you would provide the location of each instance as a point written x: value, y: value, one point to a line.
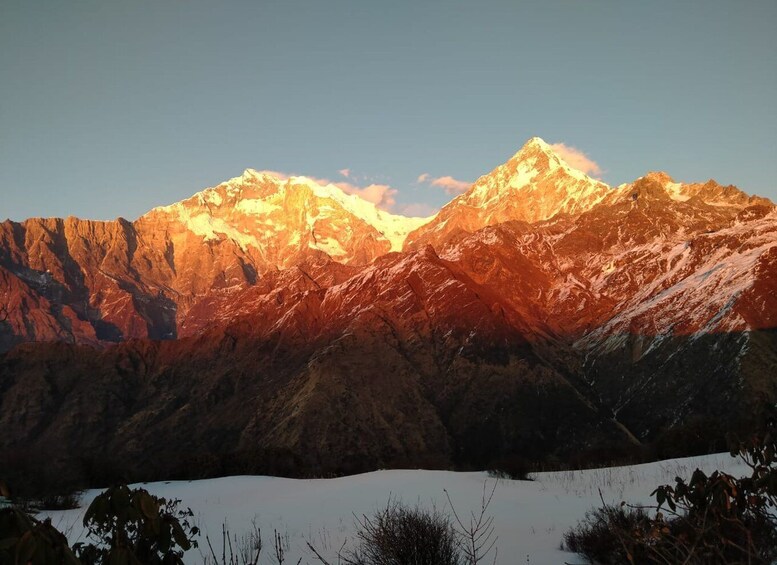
x: 534, y: 184
x: 278, y: 220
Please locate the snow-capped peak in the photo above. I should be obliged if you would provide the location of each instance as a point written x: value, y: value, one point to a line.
x: 660, y: 184
x: 539, y: 143
x: 658, y: 176
x: 249, y: 174
x: 281, y: 215
x: 537, y: 167
x: 546, y: 156
x: 534, y: 148
x: 533, y: 185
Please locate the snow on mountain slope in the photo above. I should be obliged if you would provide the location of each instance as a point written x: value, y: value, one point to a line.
x: 536, y: 168
x: 393, y: 227
x: 282, y: 216
x: 706, y: 272
x: 659, y: 185
x: 530, y: 517
x: 533, y: 185
x: 635, y: 271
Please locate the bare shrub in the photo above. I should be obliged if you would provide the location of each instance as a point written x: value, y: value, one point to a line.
x: 593, y: 537
x: 244, y: 549
x: 401, y: 535
x: 476, y: 535
x: 706, y: 520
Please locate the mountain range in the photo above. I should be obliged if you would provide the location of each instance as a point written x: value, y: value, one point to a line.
x: 277, y: 324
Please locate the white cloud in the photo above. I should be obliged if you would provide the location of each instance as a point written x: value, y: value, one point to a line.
x: 576, y: 159
x: 451, y: 185
x: 447, y: 183
x: 417, y: 210
x: 345, y: 172
x: 382, y: 195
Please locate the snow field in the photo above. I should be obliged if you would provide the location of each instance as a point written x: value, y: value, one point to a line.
x: 530, y: 517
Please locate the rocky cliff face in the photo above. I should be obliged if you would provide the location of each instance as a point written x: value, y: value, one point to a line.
x: 542, y: 313
x: 84, y: 282
x: 90, y: 282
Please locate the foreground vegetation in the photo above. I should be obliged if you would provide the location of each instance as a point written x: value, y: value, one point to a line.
x: 132, y: 527
x: 706, y: 520
x: 125, y: 526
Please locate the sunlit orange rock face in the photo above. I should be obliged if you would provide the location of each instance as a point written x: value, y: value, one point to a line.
x: 582, y: 249
x: 534, y: 185
x: 541, y: 312
x: 139, y: 279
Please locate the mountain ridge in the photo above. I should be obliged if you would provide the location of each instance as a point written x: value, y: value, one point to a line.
x: 141, y: 278
x: 563, y: 317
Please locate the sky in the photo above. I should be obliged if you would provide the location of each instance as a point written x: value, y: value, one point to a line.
x: 111, y: 108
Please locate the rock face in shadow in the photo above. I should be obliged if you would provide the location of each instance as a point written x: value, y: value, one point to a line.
x: 364, y: 392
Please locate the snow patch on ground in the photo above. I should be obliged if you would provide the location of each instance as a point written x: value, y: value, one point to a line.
x: 530, y: 516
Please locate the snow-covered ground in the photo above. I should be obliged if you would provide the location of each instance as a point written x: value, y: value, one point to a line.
x: 530, y: 516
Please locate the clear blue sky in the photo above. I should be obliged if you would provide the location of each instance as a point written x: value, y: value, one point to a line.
x: 108, y: 108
